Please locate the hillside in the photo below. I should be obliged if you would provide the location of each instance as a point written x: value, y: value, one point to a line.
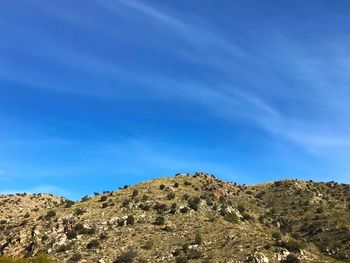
x: 195, y: 218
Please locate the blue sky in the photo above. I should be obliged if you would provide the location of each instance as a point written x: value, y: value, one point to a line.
x: 97, y: 94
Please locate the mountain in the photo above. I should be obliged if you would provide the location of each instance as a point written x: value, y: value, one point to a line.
x: 185, y: 218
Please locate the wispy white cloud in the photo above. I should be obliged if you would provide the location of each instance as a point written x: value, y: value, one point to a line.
x: 297, y: 93
x: 207, y: 47
x: 6, y: 176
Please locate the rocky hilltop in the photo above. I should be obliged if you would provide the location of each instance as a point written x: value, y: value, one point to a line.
x: 186, y: 218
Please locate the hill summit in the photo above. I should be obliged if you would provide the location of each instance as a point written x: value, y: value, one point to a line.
x: 185, y: 218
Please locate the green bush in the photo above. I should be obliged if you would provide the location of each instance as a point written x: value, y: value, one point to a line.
x: 127, y: 257
x: 231, y: 217
x: 130, y: 220
x: 194, y: 254
x: 135, y: 193
x: 160, y: 220
x: 277, y: 235
x: 184, y: 210
x: 37, y: 259
x: 291, y: 258
x: 71, y: 234
x: 181, y: 259
x: 241, y: 208
x: 125, y: 203
x: 193, y: 203
x: 85, y: 198
x: 50, y: 214
x: 80, y: 229
x: 247, y: 216
x: 168, y: 229
x: 144, y: 207
x: 292, y: 245
x: 75, y: 258
x: 198, y: 239
x: 79, y: 211
x: 93, y: 244
x: 161, y: 208
x: 170, y: 196
x: 148, y: 245
x: 68, y: 204
x: 64, y: 248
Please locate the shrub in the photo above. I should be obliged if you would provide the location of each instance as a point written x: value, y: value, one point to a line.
x: 194, y: 203
x: 121, y: 222
x: 125, y: 203
x: 79, y: 227
x: 135, y: 193
x: 222, y: 199
x: 64, y: 248
x: 193, y: 254
x: 277, y: 235
x: 93, y: 244
x: 181, y: 259
x: 71, y: 234
x: 246, y: 216
x: 127, y: 257
x: 231, y: 217
x: 292, y: 245
x: 41, y: 259
x: 291, y: 258
x: 50, y: 214
x: 176, y: 252
x: 241, y: 208
x: 148, y: 245
x: 130, y: 220
x: 144, y: 207
x: 170, y: 196
x: 75, y: 258
x: 37, y: 259
x: 103, y: 236
x: 44, y: 238
x: 103, y: 198
x: 184, y: 210
x: 160, y: 207
x: 79, y: 211
x: 198, y: 239
x: 168, y: 229
x: 104, y: 205
x: 85, y: 198
x: 162, y: 186
x: 320, y: 210
x: 176, y: 185
x: 160, y: 220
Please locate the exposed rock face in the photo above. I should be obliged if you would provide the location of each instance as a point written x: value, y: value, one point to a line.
x: 195, y: 217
